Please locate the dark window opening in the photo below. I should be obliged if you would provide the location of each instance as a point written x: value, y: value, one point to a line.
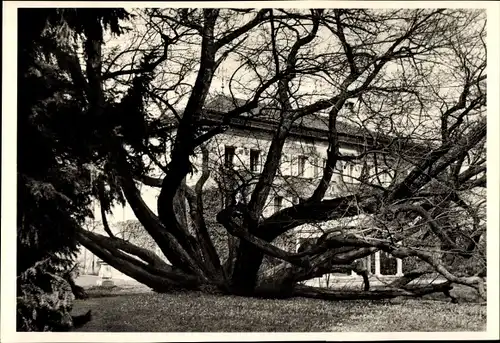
x: 302, y: 165
x: 278, y: 203
x: 254, y: 160
x: 229, y: 156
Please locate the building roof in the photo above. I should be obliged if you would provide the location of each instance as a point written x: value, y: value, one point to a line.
x: 264, y: 113
x: 311, y: 127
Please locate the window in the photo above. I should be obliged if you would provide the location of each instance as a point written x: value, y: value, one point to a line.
x: 229, y: 156
x: 340, y: 166
x: 286, y: 165
x: 278, y: 203
x: 316, y: 167
x: 302, y: 165
x: 254, y: 160
x: 350, y: 169
x: 357, y: 171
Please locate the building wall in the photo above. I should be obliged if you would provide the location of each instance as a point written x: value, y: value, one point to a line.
x: 292, y: 180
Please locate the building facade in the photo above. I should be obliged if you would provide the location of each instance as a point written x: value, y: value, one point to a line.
x: 236, y: 159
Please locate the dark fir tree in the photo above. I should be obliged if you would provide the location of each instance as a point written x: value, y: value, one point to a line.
x: 53, y: 154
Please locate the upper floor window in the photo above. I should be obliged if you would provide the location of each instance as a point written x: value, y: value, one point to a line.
x: 286, y: 164
x: 254, y: 160
x: 229, y: 156
x: 278, y: 203
x: 349, y: 169
x: 301, y: 165
x: 316, y: 167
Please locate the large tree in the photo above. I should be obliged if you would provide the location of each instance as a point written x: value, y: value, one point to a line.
x: 411, y: 80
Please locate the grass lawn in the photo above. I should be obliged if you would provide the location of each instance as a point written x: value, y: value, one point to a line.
x: 200, y: 312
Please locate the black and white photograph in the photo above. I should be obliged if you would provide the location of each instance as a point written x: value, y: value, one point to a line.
x: 305, y: 167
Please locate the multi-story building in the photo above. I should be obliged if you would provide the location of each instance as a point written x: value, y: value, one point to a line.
x: 236, y: 158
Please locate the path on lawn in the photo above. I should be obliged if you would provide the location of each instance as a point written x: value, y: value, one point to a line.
x: 122, y: 286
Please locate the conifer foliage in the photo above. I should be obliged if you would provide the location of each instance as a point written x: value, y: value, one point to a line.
x: 54, y: 181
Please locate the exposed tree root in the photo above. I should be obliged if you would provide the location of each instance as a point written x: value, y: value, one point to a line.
x: 375, y: 294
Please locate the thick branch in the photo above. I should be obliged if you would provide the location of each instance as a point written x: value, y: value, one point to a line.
x: 232, y: 35
x: 438, y: 161
x: 105, y: 222
x: 144, y: 254
x: 167, y: 42
x: 234, y: 229
x: 332, y: 153
x: 402, y: 252
x: 195, y: 200
x: 167, y: 241
x: 184, y: 144
x: 263, y: 186
x: 93, y: 52
x: 291, y: 217
x: 471, y: 172
x: 129, y: 268
x: 150, y: 181
x: 435, y: 228
x: 481, y: 182
x: 410, y: 276
x: 346, y: 46
x: 328, y: 294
